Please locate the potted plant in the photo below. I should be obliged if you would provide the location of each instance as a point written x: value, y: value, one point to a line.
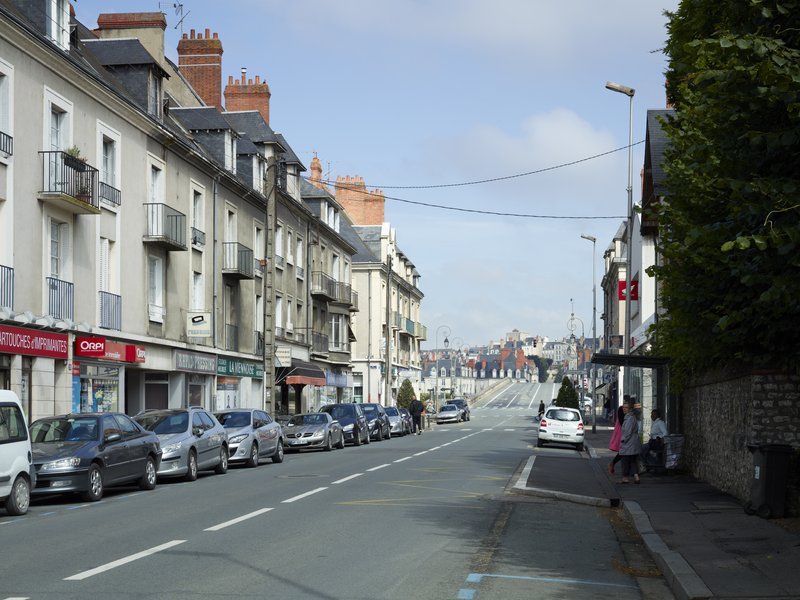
x: 73, y: 158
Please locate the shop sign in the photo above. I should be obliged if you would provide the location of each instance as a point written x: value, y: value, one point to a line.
x: 134, y: 353
x: 19, y: 340
x: 195, y: 362
x: 90, y: 346
x: 198, y: 324
x: 239, y: 368
x: 335, y: 379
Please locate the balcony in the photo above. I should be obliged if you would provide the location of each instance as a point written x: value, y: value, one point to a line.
x: 299, y: 272
x: 339, y: 346
x: 6, y: 144
x: 237, y: 261
x: 354, y: 301
x: 280, y: 332
x: 344, y: 293
x: 69, y: 183
x: 6, y: 287
x: 258, y: 267
x: 60, y: 298
x: 319, y: 343
x: 231, y: 337
x: 280, y: 262
x: 398, y: 321
x: 323, y: 285
x: 420, y: 331
x: 166, y: 226
x: 110, y: 195
x: 110, y: 311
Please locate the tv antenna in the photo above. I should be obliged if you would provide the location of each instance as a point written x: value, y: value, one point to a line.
x: 178, y: 6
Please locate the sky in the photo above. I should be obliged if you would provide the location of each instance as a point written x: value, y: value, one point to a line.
x: 425, y: 98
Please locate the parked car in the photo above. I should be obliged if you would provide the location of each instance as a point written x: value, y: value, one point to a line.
x: 449, y: 413
x: 377, y: 421
x: 252, y: 435
x: 561, y: 425
x: 396, y: 421
x: 88, y: 452
x: 17, y: 473
x: 352, y: 419
x: 314, y: 430
x: 463, y: 405
x: 192, y: 440
x: 409, y: 421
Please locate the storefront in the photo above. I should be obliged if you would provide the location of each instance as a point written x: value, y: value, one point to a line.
x: 338, y: 388
x: 98, y: 373
x: 195, y: 373
x: 291, y: 380
x: 239, y: 383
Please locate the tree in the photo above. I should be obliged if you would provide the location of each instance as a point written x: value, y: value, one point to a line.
x: 405, y: 394
x: 729, y: 228
x: 567, y: 396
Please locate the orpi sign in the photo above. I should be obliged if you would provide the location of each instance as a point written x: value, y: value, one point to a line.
x: 90, y: 346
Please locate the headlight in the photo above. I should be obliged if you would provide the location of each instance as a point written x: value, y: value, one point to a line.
x: 171, y: 448
x: 238, y: 438
x: 319, y: 432
x: 64, y: 463
x: 348, y: 427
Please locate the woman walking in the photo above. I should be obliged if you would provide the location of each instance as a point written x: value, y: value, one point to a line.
x: 630, y: 445
x: 616, y: 438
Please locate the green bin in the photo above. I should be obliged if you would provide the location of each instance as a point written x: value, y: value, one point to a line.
x: 770, y: 474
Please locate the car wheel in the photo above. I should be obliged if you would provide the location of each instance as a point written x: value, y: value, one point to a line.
x: 340, y: 445
x: 20, y: 499
x: 357, y: 441
x: 539, y: 444
x: 328, y: 443
x: 388, y: 434
x: 94, y: 482
x: 191, y: 466
x: 278, y: 456
x: 579, y: 447
x: 148, y: 480
x: 253, y: 460
x: 367, y: 438
x: 222, y: 466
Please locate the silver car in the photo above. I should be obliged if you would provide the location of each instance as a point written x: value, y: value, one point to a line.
x: 397, y: 421
x: 191, y: 439
x: 252, y: 435
x: 313, y: 430
x: 449, y: 413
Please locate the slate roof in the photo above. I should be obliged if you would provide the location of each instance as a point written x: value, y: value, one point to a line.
x: 122, y: 52
x: 245, y: 147
x: 253, y: 124
x: 347, y: 230
x: 205, y: 118
x: 288, y: 155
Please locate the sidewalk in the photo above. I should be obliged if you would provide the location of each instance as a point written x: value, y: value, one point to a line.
x: 700, y: 537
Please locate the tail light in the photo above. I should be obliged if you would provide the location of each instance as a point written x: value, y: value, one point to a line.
x: 543, y: 423
x: 580, y: 426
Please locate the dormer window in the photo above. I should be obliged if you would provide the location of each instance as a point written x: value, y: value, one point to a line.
x: 230, y: 152
x: 58, y: 22
x: 154, y: 94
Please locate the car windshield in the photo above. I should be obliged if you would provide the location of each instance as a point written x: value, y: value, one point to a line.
x: 315, y: 419
x: 563, y: 415
x: 164, y: 423
x: 64, y: 429
x: 369, y: 409
x: 458, y: 402
x: 392, y: 411
x: 233, y: 420
x: 449, y: 407
x: 340, y: 411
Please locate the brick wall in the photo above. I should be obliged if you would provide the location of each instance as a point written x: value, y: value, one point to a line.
x: 723, y: 412
x: 200, y: 62
x: 246, y: 94
x: 364, y: 207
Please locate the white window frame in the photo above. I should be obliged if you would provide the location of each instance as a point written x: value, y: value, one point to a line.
x: 198, y: 291
x: 156, y: 180
x: 58, y: 22
x: 6, y: 102
x: 155, y: 288
x: 289, y: 247
x: 63, y: 271
x: 106, y: 132
x: 54, y: 99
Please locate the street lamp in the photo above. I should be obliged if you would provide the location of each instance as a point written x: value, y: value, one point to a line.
x: 456, y: 344
x: 436, y: 357
x: 629, y: 92
x: 594, y: 330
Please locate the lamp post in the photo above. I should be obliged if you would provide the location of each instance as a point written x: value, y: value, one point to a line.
x: 629, y: 92
x: 456, y: 344
x: 594, y: 330
x: 436, y: 357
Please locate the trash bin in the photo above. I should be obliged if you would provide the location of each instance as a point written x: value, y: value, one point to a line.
x: 770, y: 474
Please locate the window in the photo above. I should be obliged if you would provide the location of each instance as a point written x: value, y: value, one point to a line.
x: 279, y: 240
x: 104, y: 264
x: 6, y: 135
x: 278, y: 311
x: 198, y: 291
x: 289, y: 248
x: 230, y: 151
x: 12, y: 424
x: 259, y: 308
x: 58, y: 22
x: 298, y: 252
x: 156, y: 185
x: 59, y: 241
x: 127, y: 426
x: 108, y: 173
x: 197, y: 210
x: 230, y: 226
x: 258, y: 238
x: 335, y: 267
x: 154, y: 94
x: 155, y: 276
x: 289, y: 314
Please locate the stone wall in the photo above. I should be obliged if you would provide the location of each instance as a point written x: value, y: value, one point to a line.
x: 724, y: 412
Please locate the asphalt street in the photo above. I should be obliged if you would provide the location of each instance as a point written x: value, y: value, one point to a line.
x: 429, y: 516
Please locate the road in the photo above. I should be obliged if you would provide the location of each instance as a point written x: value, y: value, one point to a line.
x: 415, y: 517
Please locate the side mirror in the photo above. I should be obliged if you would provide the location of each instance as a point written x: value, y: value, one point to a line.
x: 112, y: 437
x: 198, y: 431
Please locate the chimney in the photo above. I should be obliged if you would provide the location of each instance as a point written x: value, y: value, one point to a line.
x: 246, y: 94
x: 148, y: 28
x: 200, y: 62
x: 363, y: 207
x: 316, y: 174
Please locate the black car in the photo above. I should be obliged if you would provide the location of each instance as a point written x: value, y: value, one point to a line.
x: 87, y: 452
x: 352, y: 420
x: 463, y: 406
x: 380, y: 428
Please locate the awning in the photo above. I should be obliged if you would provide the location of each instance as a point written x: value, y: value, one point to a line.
x: 300, y: 372
x: 630, y: 360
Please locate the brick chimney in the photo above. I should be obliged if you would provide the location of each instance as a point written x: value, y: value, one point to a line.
x: 148, y: 28
x: 363, y: 207
x: 316, y: 174
x: 246, y: 94
x: 200, y: 62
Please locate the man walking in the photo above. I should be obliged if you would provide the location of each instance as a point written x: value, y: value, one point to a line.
x: 416, y: 408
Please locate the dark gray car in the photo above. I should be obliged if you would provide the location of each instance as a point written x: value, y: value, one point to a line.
x: 377, y: 421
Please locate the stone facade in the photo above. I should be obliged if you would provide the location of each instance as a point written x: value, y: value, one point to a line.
x: 722, y: 413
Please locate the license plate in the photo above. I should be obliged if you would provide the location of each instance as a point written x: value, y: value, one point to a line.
x: 297, y: 442
x: 560, y: 435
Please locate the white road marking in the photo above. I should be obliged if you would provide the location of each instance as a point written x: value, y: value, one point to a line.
x: 420, y: 453
x: 512, y: 400
x: 123, y: 561
x: 255, y: 513
x: 509, y: 429
x: 348, y: 478
x: 301, y: 496
x: 403, y: 459
x: 379, y: 467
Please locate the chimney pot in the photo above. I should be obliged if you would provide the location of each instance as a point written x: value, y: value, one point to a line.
x: 230, y: 79
x: 208, y: 33
x: 258, y: 79
x: 192, y: 33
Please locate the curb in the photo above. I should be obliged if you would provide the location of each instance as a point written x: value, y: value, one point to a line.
x: 520, y: 487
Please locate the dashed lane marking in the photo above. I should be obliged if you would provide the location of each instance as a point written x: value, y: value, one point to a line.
x: 123, y: 561
x: 255, y: 513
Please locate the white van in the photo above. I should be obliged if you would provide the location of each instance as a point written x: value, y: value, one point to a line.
x: 17, y: 475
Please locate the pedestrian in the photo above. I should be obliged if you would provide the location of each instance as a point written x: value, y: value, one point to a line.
x: 616, y: 438
x: 416, y: 409
x: 607, y: 408
x: 630, y: 445
x: 658, y: 431
x: 541, y: 409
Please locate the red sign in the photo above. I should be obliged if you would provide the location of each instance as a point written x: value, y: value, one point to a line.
x: 621, y: 290
x: 30, y: 342
x: 135, y: 353
x: 90, y: 346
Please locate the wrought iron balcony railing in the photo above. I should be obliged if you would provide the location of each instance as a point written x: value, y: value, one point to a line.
x: 60, y: 298
x: 319, y: 342
x: 165, y: 226
x: 6, y: 287
x: 110, y: 311
x: 110, y: 195
x: 323, y: 285
x: 237, y: 260
x: 6, y: 144
x: 69, y: 182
